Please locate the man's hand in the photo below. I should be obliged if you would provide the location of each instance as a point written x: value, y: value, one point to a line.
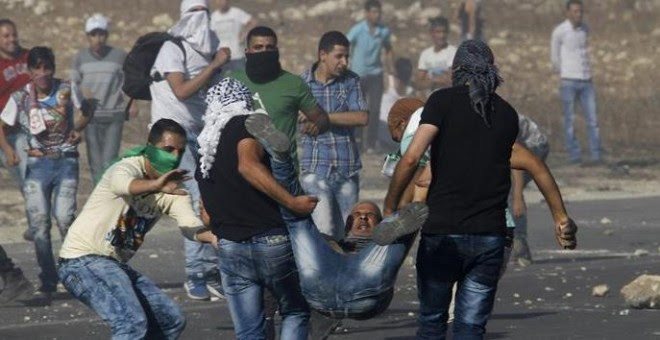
x: 221, y: 57
x: 169, y: 182
x: 519, y: 207
x: 565, y: 233
x: 302, y: 118
x: 209, y: 237
x: 303, y: 205
x: 310, y: 129
x: 74, y: 137
x: 12, y: 157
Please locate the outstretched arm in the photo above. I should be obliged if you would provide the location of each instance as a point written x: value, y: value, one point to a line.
x: 565, y: 228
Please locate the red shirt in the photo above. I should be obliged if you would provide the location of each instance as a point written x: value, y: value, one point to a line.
x: 14, y: 75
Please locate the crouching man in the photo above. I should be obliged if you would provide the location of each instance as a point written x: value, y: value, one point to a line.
x: 130, y: 198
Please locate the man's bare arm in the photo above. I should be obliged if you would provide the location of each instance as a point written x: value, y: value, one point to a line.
x: 517, y: 186
x: 10, y: 153
x: 565, y: 228
x: 184, y: 89
x: 352, y: 118
x: 471, y: 10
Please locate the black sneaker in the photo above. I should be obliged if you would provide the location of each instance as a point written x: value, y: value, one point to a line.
x: 275, y: 142
x: 214, y: 283
x: 16, y: 286
x: 403, y: 222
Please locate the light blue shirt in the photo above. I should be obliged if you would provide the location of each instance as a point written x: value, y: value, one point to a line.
x: 366, y: 48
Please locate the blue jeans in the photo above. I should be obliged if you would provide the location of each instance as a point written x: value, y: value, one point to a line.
x: 337, y: 194
x: 132, y: 305
x: 358, y: 285
x: 50, y: 188
x: 584, y: 89
x: 472, y: 261
x: 103, y: 138
x: 200, y: 257
x: 249, y: 267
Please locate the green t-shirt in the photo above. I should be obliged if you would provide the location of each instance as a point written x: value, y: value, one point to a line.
x: 282, y: 98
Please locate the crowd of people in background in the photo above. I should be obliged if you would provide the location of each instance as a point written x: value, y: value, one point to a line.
x: 225, y: 112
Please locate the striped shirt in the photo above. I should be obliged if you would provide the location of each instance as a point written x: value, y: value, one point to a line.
x: 569, y: 51
x: 334, y: 150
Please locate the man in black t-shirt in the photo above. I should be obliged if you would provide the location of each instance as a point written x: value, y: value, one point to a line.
x: 471, y: 131
x: 244, y: 208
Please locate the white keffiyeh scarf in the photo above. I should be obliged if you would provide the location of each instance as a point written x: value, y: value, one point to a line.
x: 226, y: 100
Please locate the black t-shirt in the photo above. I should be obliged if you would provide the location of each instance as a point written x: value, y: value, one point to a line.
x: 469, y: 163
x: 238, y: 211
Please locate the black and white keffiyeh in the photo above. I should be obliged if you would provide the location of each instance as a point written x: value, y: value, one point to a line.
x: 227, y: 99
x: 474, y: 65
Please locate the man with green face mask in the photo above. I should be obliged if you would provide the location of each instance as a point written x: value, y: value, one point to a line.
x: 129, y: 199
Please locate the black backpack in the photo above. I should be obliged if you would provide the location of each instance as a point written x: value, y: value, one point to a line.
x: 138, y: 63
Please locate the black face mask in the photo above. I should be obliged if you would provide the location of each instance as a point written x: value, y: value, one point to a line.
x: 262, y: 67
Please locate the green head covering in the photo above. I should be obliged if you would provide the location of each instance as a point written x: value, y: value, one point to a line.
x: 161, y: 160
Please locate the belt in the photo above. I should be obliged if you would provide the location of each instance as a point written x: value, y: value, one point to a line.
x: 61, y: 260
x: 52, y: 154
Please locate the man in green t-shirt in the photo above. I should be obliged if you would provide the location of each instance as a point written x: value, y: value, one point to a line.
x: 280, y: 93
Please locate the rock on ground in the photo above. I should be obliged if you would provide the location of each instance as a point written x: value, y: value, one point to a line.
x: 643, y: 292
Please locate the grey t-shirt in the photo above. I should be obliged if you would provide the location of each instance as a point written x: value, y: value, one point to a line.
x: 101, y: 79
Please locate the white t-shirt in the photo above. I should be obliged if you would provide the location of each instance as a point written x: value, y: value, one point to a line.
x: 436, y: 63
x: 228, y: 27
x: 164, y: 103
x: 114, y: 223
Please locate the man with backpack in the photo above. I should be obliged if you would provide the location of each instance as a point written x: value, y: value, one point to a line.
x: 185, y: 67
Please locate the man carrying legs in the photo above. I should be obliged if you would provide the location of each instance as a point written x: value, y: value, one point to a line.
x: 254, y: 248
x: 471, y: 131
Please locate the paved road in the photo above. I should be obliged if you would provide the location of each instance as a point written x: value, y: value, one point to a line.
x: 548, y: 300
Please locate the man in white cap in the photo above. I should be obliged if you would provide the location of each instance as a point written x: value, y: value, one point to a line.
x: 186, y: 75
x: 97, y: 70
